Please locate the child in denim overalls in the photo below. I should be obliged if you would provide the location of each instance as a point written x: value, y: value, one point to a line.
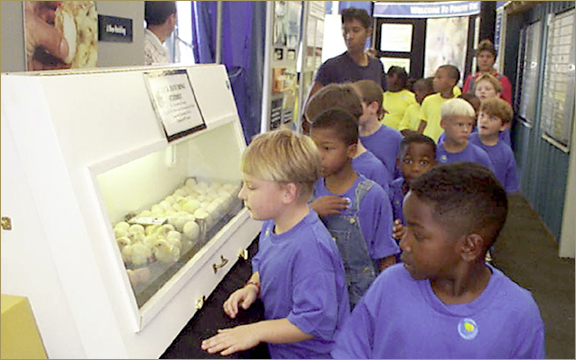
x: 355, y: 210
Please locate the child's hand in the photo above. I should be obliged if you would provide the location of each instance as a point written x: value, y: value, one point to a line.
x: 243, y: 297
x: 330, y: 205
x: 398, y: 230
x: 229, y: 341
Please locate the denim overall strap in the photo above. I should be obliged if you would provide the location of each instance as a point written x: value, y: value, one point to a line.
x: 359, y: 267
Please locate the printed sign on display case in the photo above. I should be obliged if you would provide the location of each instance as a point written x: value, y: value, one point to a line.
x: 174, y: 102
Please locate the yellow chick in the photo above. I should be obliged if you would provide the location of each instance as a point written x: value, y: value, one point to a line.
x: 166, y: 253
x: 174, y: 238
x: 139, y: 253
x: 123, y: 242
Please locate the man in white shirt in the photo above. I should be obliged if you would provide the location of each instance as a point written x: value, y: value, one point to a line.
x: 161, y: 21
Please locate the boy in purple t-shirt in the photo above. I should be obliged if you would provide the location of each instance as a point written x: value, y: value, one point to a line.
x: 381, y: 140
x: 494, y: 117
x: 347, y: 97
x: 417, y: 155
x: 298, y: 271
x: 458, y: 119
x: 444, y: 301
x: 355, y: 210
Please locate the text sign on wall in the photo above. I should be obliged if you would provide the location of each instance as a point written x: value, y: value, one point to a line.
x: 114, y: 29
x: 426, y: 9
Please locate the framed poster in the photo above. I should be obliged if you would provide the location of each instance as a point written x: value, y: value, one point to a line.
x: 446, y: 43
x: 558, y: 89
x: 396, y: 37
x: 531, y: 40
x: 174, y: 102
x: 60, y: 34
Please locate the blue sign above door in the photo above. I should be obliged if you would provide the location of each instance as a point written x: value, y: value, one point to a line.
x: 426, y: 9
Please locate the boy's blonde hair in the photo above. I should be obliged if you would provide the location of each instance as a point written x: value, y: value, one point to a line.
x: 499, y: 108
x: 456, y: 107
x: 284, y: 156
x: 495, y: 82
x: 371, y: 92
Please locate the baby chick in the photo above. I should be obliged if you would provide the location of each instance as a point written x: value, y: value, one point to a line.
x: 139, y: 254
x: 174, y: 238
x: 165, y: 252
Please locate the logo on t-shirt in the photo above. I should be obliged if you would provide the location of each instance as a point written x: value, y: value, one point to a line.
x: 443, y: 159
x: 467, y: 329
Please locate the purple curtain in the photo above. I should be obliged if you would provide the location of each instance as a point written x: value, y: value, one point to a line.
x: 243, y: 35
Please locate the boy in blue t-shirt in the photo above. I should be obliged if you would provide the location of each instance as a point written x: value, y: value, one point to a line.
x: 355, y: 210
x: 458, y: 118
x: 417, y: 155
x: 383, y: 141
x: 346, y: 97
x: 444, y: 301
x: 298, y: 272
x: 495, y: 116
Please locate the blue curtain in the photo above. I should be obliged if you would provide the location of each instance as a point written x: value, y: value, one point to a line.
x: 243, y: 36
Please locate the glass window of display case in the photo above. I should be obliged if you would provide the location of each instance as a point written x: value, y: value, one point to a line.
x: 167, y: 205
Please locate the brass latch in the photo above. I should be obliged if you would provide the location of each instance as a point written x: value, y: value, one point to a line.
x: 6, y: 223
x: 243, y: 254
x: 200, y: 302
x: 223, y: 263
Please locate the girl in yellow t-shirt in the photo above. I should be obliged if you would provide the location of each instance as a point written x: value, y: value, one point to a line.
x: 411, y: 120
x: 397, y: 98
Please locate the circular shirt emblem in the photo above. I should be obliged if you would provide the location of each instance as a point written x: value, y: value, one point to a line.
x: 468, y: 329
x: 443, y: 158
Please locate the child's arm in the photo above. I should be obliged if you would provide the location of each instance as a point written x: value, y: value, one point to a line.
x: 229, y: 341
x: 243, y: 297
x: 422, y: 126
x: 329, y: 205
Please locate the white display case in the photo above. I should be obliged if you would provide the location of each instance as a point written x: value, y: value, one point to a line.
x: 120, y: 227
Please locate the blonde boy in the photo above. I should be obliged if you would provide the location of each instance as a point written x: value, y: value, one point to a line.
x: 298, y: 272
x: 458, y: 118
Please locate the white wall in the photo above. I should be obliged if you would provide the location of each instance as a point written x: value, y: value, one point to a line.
x: 109, y: 54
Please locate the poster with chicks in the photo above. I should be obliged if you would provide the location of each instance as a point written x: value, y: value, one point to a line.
x: 60, y: 34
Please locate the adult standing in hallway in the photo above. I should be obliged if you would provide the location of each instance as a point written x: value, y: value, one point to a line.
x: 161, y: 21
x: 486, y: 57
x: 354, y: 64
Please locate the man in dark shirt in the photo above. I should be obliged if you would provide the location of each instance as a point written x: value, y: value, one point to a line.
x: 354, y: 64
